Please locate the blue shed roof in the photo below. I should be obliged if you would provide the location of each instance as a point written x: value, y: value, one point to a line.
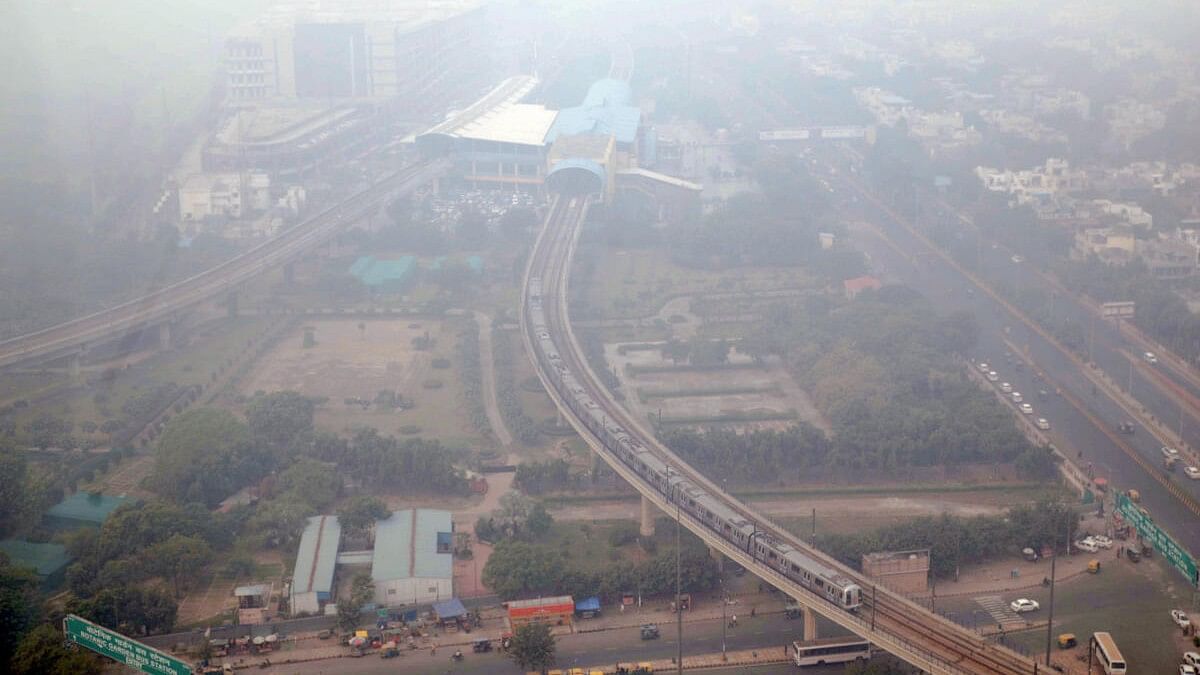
x: 92, y: 508
x: 591, y: 604
x: 44, y: 559
x: 608, y: 92
x: 317, y: 555
x: 449, y: 609
x: 407, y: 545
x: 373, y: 272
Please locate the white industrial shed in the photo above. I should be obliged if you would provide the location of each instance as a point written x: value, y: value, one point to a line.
x: 312, y: 579
x: 413, y: 562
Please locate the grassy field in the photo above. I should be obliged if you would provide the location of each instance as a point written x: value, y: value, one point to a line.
x: 349, y: 362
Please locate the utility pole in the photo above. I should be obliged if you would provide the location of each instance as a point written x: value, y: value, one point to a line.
x: 812, y: 539
x: 678, y: 606
x: 1050, y: 621
x: 721, y: 581
x: 872, y: 608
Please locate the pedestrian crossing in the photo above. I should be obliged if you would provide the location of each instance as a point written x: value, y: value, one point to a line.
x: 999, y: 610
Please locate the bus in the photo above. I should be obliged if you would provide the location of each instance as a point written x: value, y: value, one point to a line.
x: 1107, y: 654
x: 831, y: 650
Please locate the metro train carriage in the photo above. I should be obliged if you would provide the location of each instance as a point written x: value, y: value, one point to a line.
x: 710, y: 510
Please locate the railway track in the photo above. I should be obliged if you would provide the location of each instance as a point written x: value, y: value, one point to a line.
x: 135, y: 314
x: 891, y: 621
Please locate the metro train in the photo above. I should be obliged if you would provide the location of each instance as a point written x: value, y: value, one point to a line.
x: 678, y: 489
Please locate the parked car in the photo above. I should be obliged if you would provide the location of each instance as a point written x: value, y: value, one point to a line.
x: 983, y: 367
x: 1180, y: 618
x: 1191, y: 658
x: 1133, y: 555
x: 1022, y: 605
x: 992, y: 376
x: 1006, y: 387
x: 1087, y: 545
x: 1101, y: 541
x: 1043, y: 424
x: 1192, y: 472
x: 1016, y: 397
x: 1026, y: 409
x: 1169, y: 453
x: 1186, y: 669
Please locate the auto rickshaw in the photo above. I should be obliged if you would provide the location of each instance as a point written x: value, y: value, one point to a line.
x: 650, y: 631
x: 1093, y: 567
x: 1067, y: 640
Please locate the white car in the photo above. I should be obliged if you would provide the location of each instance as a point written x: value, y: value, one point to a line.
x: 1043, y: 424
x: 1187, y: 669
x: 983, y: 367
x: 1180, y: 618
x: 1087, y: 545
x: 1026, y: 409
x: 1023, y: 605
x: 1017, y: 397
x: 1018, y: 259
x: 1150, y: 357
x: 1191, y: 658
x: 1169, y: 453
x: 1006, y: 387
x: 1192, y: 472
x: 1101, y: 541
x: 992, y: 376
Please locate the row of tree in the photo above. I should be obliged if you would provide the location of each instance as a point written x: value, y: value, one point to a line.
x: 955, y: 541
x: 507, y: 398
x: 883, y: 370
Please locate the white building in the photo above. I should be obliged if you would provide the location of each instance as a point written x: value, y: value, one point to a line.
x: 413, y: 561
x: 312, y: 578
x: 227, y: 195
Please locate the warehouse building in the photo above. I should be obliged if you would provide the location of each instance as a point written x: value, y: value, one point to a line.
x: 413, y: 561
x: 312, y: 578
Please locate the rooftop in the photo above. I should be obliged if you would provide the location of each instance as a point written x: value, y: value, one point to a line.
x: 662, y: 178
x: 582, y: 146
x: 499, y: 111
x: 252, y: 591
x: 401, y: 14
x: 45, y: 559
x: 92, y: 508
x: 317, y: 555
x: 407, y: 545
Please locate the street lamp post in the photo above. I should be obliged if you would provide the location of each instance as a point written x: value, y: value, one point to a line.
x: 1050, y: 620
x: 721, y: 581
x: 678, y: 606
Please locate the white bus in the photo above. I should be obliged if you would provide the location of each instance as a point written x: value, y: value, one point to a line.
x: 831, y: 650
x: 1107, y: 654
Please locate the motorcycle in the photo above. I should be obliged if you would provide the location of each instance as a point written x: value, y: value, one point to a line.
x: 458, y: 655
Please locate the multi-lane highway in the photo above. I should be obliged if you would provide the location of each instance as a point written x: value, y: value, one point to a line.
x: 165, y: 303
x: 890, y: 621
x: 1083, y: 420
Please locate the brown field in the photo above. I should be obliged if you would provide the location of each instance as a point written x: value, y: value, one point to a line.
x: 780, y: 393
x: 348, y: 363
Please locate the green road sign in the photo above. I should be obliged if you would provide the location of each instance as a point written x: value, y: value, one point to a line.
x: 1161, y: 541
x: 121, y: 649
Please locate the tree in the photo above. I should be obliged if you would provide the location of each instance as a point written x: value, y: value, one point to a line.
x: 310, y: 482
x: 48, y: 431
x: 517, y: 222
x: 472, y: 227
x: 282, y: 420
x: 179, y: 558
x: 359, y: 513
x: 539, y: 521
x: 14, y: 497
x: 204, y: 455
x: 532, y: 647
x: 362, y: 590
x: 43, y: 651
x: 18, y: 605
x: 516, y: 569
x: 133, y: 610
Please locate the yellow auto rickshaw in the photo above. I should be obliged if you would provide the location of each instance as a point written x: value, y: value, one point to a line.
x: 1093, y: 567
x: 1066, y: 640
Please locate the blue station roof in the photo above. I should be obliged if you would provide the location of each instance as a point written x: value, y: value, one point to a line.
x: 449, y: 609
x: 606, y: 111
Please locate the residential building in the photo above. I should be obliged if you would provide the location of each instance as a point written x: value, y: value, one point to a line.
x: 1112, y: 245
x: 1169, y: 259
x: 227, y: 195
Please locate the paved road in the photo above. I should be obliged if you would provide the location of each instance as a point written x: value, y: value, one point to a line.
x: 588, y: 649
x: 487, y: 377
x: 948, y: 290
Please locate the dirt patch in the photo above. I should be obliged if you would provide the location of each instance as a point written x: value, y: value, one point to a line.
x: 349, y: 362
x: 767, y: 389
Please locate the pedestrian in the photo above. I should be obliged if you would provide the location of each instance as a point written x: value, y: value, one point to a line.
x: 751, y: 612
x: 622, y: 608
